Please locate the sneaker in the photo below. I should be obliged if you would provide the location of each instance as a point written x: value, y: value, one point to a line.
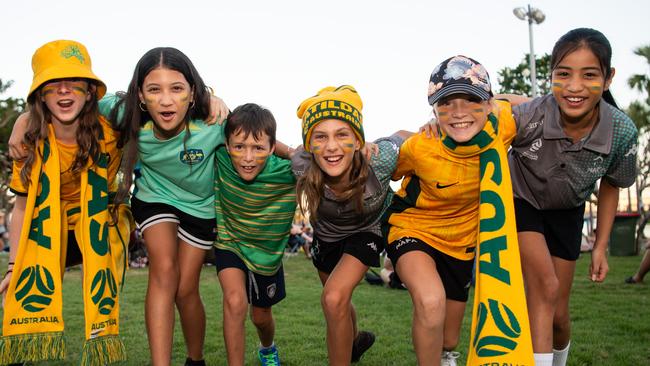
x: 449, y: 358
x: 362, y: 342
x: 269, y: 356
x: 630, y: 280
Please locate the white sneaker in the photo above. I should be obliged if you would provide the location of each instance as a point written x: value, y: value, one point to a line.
x: 449, y: 358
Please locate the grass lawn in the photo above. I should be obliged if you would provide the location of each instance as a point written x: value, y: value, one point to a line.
x: 611, y: 321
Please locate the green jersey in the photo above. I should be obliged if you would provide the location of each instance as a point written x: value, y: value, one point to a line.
x: 254, y: 218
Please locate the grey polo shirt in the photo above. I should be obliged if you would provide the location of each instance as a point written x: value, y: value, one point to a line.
x: 549, y: 171
x: 339, y: 219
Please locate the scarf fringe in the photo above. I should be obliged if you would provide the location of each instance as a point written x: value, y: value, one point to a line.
x: 32, y: 347
x: 103, y: 351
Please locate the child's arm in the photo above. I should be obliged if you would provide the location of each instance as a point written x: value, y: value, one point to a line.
x: 283, y: 150
x: 16, y: 148
x: 17, y: 215
x: 218, y: 111
x: 607, y: 204
x: 514, y: 99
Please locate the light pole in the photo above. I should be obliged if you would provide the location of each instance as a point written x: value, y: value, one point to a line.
x: 537, y: 16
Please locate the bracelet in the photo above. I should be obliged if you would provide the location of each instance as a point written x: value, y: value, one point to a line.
x: 11, y: 263
x: 6, y: 273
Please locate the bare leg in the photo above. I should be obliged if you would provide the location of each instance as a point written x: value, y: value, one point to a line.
x: 644, y: 267
x: 163, y: 283
x: 453, y: 321
x: 337, y: 307
x: 188, y: 299
x: 561, y: 321
x: 418, y: 272
x: 541, y: 286
x: 235, y: 306
x: 263, y: 320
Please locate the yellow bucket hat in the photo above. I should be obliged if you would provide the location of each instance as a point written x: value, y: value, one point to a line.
x: 63, y: 59
x: 342, y: 103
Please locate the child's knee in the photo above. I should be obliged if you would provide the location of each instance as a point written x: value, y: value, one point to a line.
x: 334, y: 302
x: 261, y: 317
x: 235, y: 304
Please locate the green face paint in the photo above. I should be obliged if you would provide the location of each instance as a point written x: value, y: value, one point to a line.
x: 596, y: 88
x: 348, y: 147
x: 79, y: 91
x: 316, y: 148
x: 48, y: 89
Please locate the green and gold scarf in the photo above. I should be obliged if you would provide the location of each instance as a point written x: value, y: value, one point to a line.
x: 33, y: 326
x: 500, y: 332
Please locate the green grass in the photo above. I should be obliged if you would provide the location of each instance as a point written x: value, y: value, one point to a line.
x: 611, y: 321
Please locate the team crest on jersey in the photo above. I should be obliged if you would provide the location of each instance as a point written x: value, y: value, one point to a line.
x: 192, y: 156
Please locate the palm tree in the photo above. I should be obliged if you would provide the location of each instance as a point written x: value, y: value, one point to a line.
x: 639, y: 111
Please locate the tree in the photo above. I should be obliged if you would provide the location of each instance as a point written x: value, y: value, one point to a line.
x: 10, y: 108
x: 517, y: 80
x: 639, y: 112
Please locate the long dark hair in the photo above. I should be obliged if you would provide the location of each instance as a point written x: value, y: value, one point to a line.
x: 88, y: 131
x: 134, y: 118
x: 593, y: 40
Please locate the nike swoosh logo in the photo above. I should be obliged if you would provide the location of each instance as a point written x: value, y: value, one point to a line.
x: 441, y: 186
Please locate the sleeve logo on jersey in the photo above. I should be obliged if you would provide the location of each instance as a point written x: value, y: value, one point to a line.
x: 191, y: 156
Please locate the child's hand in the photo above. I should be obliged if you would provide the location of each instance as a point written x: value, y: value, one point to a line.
x: 4, y: 285
x: 599, y: 267
x: 430, y: 129
x: 218, y: 111
x: 16, y: 148
x: 370, y: 149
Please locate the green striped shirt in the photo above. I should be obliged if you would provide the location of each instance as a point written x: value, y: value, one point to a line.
x: 254, y: 218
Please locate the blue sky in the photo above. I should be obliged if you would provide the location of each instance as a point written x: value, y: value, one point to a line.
x: 276, y: 53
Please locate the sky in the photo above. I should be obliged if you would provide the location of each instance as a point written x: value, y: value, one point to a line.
x: 277, y: 53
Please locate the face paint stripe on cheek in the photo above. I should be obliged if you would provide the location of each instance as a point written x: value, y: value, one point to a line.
x: 596, y: 88
x: 558, y: 86
x: 316, y: 148
x: 235, y: 153
x: 47, y: 90
x: 79, y: 91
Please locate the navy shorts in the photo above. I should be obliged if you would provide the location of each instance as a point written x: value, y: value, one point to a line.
x: 262, y: 291
x: 197, y: 232
x: 456, y: 274
x: 562, y: 229
x: 364, y: 246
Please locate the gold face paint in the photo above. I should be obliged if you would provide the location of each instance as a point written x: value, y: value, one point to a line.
x: 260, y: 157
x: 48, y: 89
x: 236, y: 153
x: 316, y: 147
x: 79, y: 91
x: 184, y: 97
x: 557, y: 86
x: 596, y: 88
x: 347, y: 145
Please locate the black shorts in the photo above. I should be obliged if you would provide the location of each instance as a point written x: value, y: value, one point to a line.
x: 364, y: 246
x: 456, y: 274
x: 197, y: 232
x: 562, y: 229
x: 262, y: 291
x: 73, y: 254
